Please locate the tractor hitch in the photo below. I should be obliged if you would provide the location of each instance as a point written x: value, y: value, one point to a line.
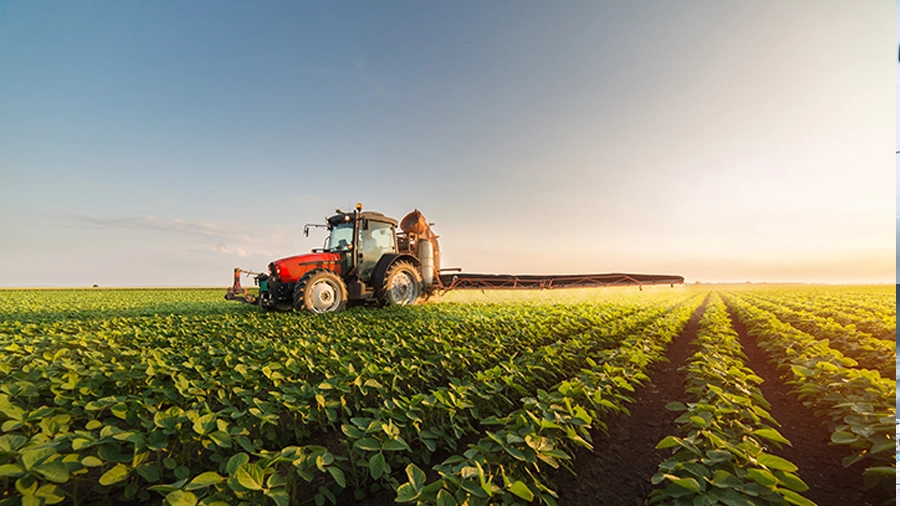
x: 239, y: 293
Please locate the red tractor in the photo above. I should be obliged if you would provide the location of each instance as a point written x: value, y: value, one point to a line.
x: 364, y: 259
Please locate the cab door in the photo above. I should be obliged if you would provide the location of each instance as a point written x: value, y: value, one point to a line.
x: 376, y: 239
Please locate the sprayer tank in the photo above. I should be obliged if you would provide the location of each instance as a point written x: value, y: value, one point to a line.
x: 426, y: 258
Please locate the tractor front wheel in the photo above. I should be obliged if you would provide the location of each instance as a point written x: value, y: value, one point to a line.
x: 402, y: 285
x: 320, y: 291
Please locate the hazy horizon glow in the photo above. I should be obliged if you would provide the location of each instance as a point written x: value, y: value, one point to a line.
x: 165, y: 144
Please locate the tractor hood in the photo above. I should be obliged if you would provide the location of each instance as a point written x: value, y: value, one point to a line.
x: 291, y: 269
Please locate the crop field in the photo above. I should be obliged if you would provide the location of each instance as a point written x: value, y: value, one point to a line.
x: 693, y: 395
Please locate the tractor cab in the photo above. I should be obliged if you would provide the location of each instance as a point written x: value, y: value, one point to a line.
x: 369, y: 235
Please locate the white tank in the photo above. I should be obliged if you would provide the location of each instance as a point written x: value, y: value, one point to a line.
x: 426, y: 257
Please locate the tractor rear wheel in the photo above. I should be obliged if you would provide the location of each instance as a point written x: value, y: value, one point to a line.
x: 402, y: 285
x: 320, y: 291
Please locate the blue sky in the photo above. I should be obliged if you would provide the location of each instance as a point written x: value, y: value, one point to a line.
x: 165, y: 143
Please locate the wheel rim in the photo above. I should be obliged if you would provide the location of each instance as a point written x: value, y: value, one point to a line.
x: 403, y: 289
x: 323, y: 296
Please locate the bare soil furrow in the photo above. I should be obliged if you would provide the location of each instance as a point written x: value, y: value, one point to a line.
x: 618, y: 471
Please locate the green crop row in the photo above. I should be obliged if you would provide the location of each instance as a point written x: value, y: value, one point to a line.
x: 720, y: 456
x: 857, y: 404
x: 870, y: 352
x: 871, y: 309
x: 264, y: 378
x: 506, y: 464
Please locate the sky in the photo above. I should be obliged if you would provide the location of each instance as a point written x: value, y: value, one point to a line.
x: 165, y: 143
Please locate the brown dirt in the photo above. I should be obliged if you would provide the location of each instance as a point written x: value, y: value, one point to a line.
x: 618, y: 471
x: 819, y: 462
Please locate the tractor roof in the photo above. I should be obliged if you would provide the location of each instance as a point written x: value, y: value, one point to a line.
x: 337, y: 219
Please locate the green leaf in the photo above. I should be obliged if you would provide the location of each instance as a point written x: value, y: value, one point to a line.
x: 9, y: 409
x: 11, y: 442
x: 149, y: 473
x: 91, y: 461
x: 275, y: 480
x: 416, y: 476
x: 667, y: 442
x: 406, y: 493
x: 120, y: 410
x: 250, y: 476
x: 675, y: 406
x: 131, y: 490
x: 791, y: 481
x: 31, y: 500
x: 395, y: 445
x: 114, y: 475
x: 717, y: 456
x: 204, y: 480
x: 57, y: 472
x: 688, y: 483
x: 698, y: 420
x: 205, y: 424
x: 843, y: 438
x: 26, y: 485
x: 181, y: 498
x: 444, y: 498
x: 521, y: 490
x: 220, y: 438
x: 168, y: 419
x: 166, y: 488
x: 182, y: 472
x: 245, y: 443
x: 236, y: 461
x: 51, y: 494
x: 881, y: 470
x: 32, y: 458
x: 794, y: 498
x: 338, y: 476
x: 883, y: 446
x: 376, y: 465
x: 771, y: 435
x: 280, y: 496
x: 368, y: 444
x: 11, y: 471
x: 763, y: 477
x: 704, y: 500
x: 351, y: 431
x: 775, y: 462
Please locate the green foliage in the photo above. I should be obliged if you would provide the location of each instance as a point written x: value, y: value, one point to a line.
x: 131, y: 395
x: 721, y: 455
x: 139, y: 396
x: 858, y: 403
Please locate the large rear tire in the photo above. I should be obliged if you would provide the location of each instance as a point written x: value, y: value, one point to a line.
x: 320, y: 291
x: 402, y: 285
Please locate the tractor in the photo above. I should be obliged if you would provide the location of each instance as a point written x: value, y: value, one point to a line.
x: 364, y: 259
